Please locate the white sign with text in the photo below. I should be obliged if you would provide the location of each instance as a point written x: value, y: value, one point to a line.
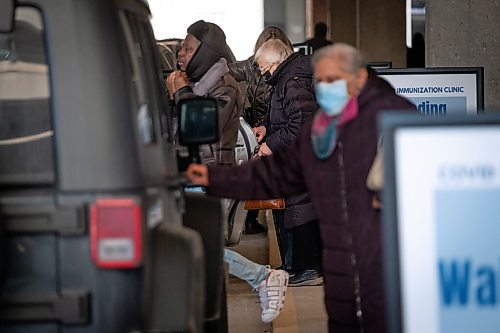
x: 448, y: 213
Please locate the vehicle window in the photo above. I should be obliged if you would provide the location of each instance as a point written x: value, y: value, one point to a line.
x: 146, y: 76
x: 167, y: 57
x: 155, y: 76
x: 26, y: 133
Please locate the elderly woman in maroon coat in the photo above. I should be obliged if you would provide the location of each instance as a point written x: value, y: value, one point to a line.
x: 331, y: 159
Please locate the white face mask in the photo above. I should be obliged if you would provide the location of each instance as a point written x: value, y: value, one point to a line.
x: 332, y: 97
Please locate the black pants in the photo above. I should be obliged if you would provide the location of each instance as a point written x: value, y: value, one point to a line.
x: 252, y: 216
x: 300, y: 247
x: 306, y: 246
x: 281, y: 235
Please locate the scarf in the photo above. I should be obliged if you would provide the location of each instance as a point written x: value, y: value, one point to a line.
x: 324, y: 128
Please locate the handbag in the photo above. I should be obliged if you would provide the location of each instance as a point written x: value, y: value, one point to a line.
x: 265, y: 204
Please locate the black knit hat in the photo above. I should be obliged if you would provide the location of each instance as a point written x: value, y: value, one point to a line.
x: 212, y: 48
x: 210, y: 34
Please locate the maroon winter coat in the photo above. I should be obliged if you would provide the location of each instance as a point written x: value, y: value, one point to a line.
x: 350, y: 227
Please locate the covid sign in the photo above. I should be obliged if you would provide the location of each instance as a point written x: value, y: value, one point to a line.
x: 439, y: 91
x: 447, y: 216
x: 468, y: 232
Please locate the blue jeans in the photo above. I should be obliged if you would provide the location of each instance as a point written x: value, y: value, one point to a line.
x: 245, y: 269
x: 240, y: 266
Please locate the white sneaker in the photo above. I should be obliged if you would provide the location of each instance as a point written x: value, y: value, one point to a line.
x: 272, y: 294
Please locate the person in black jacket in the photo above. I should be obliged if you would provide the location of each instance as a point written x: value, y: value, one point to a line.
x: 319, y: 40
x: 257, y: 90
x: 204, y: 72
x: 257, y: 101
x: 292, y: 104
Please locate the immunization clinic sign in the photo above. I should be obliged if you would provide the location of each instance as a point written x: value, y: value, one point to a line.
x: 439, y: 91
x: 442, y: 226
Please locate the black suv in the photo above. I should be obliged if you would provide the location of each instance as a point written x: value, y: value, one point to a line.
x: 92, y: 212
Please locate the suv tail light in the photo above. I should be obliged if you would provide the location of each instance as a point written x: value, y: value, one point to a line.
x: 115, y: 233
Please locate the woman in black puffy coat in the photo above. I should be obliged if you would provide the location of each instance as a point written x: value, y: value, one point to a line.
x: 257, y: 91
x: 293, y: 103
x: 257, y: 101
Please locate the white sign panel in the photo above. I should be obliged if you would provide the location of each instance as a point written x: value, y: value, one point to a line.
x: 448, y: 218
x: 439, y: 93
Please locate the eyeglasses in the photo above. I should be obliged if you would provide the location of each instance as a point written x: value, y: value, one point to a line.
x: 265, y: 68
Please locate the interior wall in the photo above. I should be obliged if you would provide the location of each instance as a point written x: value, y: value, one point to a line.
x: 289, y: 15
x: 382, y: 31
x: 465, y: 33
x: 343, y: 21
x: 320, y: 13
x: 377, y: 28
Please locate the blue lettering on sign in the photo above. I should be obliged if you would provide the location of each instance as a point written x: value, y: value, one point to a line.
x: 432, y: 109
x: 454, y: 89
x: 462, y: 283
x: 419, y: 90
x: 429, y: 90
x: 464, y: 172
x: 454, y: 280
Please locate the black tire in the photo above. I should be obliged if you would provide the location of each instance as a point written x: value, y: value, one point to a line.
x: 3, y: 252
x: 219, y: 325
x: 223, y: 323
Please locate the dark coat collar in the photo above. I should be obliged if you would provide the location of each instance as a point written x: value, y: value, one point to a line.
x: 374, y: 86
x: 301, y: 65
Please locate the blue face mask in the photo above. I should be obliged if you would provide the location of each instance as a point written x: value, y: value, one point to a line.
x: 332, y: 97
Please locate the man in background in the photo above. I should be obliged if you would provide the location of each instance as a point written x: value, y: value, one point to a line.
x: 319, y: 40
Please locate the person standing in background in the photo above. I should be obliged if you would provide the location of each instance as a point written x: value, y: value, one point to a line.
x: 257, y: 90
x: 257, y: 102
x: 319, y: 40
x: 415, y: 56
x: 204, y: 72
x: 292, y: 105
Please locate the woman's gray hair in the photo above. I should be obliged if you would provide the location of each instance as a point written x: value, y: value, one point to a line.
x: 274, y: 51
x: 347, y: 56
